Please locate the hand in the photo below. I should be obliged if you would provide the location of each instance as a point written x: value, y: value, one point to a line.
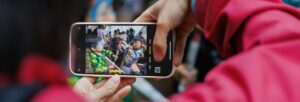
x: 113, y: 89
x: 188, y: 77
x: 170, y: 14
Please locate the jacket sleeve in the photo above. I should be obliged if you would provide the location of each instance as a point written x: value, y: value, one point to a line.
x: 260, y: 40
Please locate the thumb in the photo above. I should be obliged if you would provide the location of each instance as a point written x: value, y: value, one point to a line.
x: 150, y: 15
x: 169, y: 18
x: 160, y: 39
x: 163, y: 27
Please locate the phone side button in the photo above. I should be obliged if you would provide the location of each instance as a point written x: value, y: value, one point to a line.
x: 170, y: 51
x: 150, y: 50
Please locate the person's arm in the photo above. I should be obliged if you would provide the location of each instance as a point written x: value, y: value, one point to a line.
x: 107, y: 53
x: 223, y: 21
x: 262, y: 39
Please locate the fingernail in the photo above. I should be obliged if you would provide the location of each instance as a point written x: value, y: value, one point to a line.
x: 157, y: 57
x: 157, y: 54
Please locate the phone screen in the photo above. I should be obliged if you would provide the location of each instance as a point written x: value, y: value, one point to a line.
x: 125, y: 49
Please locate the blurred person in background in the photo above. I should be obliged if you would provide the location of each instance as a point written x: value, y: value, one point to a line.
x: 140, y: 36
x: 33, y: 40
x: 295, y: 3
x: 130, y: 35
x: 123, y: 36
x: 115, y: 41
x: 101, y: 10
x: 259, y: 40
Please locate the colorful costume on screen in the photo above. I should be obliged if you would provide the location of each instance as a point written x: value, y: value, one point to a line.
x: 131, y: 57
x: 98, y: 61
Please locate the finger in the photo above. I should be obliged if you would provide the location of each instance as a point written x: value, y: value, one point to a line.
x: 120, y: 94
x: 101, y: 83
x: 89, y: 79
x: 108, y: 88
x: 199, y: 27
x: 179, y: 48
x: 126, y: 82
x: 163, y: 28
x: 183, y: 31
x: 194, y: 72
x: 84, y: 84
x: 169, y: 18
x: 156, y: 79
x: 149, y: 15
x: 182, y: 69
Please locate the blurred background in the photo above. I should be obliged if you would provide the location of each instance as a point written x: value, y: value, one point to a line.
x: 43, y: 26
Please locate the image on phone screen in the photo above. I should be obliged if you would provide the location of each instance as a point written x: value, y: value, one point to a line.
x: 116, y: 49
x: 125, y: 49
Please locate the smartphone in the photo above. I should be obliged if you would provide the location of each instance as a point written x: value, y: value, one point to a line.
x: 124, y: 48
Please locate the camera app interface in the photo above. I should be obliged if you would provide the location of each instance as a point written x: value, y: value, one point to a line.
x: 113, y: 49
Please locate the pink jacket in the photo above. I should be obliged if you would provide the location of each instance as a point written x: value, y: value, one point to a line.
x: 260, y: 40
